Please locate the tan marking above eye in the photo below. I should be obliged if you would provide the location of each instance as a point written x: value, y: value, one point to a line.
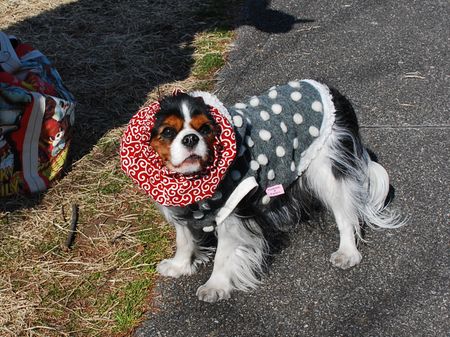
x: 198, y: 121
x: 172, y: 121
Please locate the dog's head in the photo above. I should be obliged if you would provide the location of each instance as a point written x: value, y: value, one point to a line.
x: 183, y: 134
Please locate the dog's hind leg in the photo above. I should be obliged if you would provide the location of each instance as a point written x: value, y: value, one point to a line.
x: 338, y: 195
x: 347, y: 221
x: 238, y: 261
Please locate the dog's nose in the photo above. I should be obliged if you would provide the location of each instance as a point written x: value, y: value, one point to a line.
x: 190, y: 140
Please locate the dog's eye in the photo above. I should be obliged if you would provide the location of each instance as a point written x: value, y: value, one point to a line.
x: 205, y: 129
x: 168, y: 133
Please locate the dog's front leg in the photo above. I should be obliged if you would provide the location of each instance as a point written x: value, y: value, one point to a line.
x: 238, y: 261
x: 187, y: 253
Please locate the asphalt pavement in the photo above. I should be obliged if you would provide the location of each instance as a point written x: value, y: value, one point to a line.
x: 391, y: 58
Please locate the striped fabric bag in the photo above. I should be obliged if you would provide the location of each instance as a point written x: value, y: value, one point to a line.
x: 36, y: 119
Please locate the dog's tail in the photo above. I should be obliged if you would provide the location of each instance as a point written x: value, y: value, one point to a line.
x: 358, y: 165
x: 375, y: 211
x: 377, y: 184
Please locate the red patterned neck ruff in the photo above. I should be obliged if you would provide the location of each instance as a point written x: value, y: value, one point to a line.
x: 144, y: 166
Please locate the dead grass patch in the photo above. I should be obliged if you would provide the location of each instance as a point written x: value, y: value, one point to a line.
x: 100, y: 287
x: 85, y: 290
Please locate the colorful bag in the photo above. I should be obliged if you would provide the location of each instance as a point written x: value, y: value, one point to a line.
x: 36, y: 119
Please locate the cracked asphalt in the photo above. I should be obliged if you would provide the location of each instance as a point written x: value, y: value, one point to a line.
x: 391, y: 59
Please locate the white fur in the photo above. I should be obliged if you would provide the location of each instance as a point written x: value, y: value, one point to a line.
x: 189, y: 255
x: 238, y: 262
x: 356, y: 197
x: 212, y: 100
x: 338, y: 196
x: 186, y: 114
x: 179, y: 152
x: 378, y: 184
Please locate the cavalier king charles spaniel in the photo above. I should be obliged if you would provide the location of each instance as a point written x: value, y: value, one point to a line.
x: 292, y: 151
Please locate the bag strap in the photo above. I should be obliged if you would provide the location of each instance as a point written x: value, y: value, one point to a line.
x: 9, y: 61
x: 30, y: 152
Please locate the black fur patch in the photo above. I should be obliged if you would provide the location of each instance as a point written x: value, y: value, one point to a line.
x: 295, y: 207
x: 351, y: 145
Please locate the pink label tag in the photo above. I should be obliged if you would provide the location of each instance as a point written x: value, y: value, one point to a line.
x: 275, y: 190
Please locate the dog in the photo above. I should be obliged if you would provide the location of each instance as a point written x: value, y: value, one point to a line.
x: 285, y: 154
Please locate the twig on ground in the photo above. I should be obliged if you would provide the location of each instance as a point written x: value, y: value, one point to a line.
x: 73, y: 227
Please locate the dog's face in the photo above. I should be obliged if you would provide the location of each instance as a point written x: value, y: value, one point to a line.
x: 184, y: 133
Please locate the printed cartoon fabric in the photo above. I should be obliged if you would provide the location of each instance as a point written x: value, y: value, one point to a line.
x: 36, y: 119
x: 168, y: 188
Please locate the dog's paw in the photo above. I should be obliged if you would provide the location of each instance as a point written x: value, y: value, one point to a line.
x: 211, y: 294
x: 175, y: 268
x: 345, y: 260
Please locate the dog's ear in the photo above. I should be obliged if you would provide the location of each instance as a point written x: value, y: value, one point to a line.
x: 200, y: 100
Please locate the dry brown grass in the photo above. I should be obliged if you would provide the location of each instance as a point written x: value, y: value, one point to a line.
x: 114, y: 56
x: 50, y: 290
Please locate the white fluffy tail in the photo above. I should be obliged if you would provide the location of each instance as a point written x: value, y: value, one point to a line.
x: 375, y: 212
x: 378, y: 185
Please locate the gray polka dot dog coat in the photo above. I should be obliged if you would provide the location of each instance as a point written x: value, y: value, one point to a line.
x: 274, y: 133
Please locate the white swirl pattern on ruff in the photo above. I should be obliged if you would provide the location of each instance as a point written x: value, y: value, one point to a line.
x: 144, y: 166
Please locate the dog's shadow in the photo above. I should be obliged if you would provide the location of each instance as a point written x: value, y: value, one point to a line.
x: 267, y: 20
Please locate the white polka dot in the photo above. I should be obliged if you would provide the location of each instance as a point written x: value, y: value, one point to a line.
x: 249, y: 141
x: 254, y: 165
x: 265, y: 200
x: 313, y: 131
x: 272, y: 88
x: 273, y: 94
x: 265, y: 135
x: 240, y: 106
x: 240, y: 112
x: 294, y: 84
x: 249, y: 122
x: 271, y: 175
x: 295, y: 143
x: 276, y: 108
x: 264, y: 115
x: 235, y: 175
x: 237, y: 120
x: 262, y: 159
x: 316, y: 106
x: 296, y: 96
x: 254, y: 101
x: 208, y: 229
x: 283, y: 127
x: 292, y: 166
x: 198, y: 215
x: 298, y: 119
x: 280, y: 151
